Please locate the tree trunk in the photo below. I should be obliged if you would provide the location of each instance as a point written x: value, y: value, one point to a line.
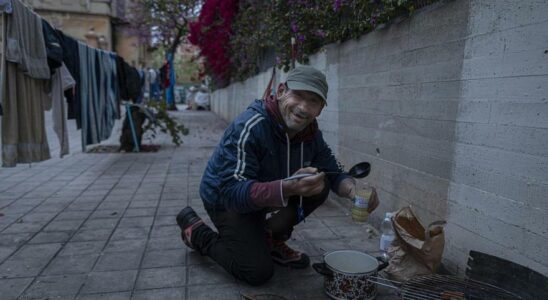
x: 126, y: 138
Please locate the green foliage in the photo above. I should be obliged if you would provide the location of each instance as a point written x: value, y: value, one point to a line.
x: 261, y: 27
x: 164, y: 122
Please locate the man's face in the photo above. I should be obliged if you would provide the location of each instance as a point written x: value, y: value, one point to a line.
x: 299, y: 108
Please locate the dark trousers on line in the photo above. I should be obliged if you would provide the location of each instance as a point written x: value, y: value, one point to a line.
x: 240, y: 246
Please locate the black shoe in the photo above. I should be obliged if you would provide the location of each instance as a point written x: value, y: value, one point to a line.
x: 188, y: 220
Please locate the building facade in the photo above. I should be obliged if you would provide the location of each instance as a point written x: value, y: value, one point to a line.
x: 99, y: 23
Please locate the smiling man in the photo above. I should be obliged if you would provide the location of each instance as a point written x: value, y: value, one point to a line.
x: 243, y: 191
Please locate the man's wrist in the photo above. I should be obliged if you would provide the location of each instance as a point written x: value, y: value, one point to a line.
x: 288, y: 188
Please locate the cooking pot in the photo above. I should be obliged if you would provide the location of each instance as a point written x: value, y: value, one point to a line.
x: 346, y: 274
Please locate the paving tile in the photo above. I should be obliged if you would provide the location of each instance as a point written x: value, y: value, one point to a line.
x: 106, y: 296
x: 166, y: 231
x: 14, y: 239
x: 164, y: 258
x: 40, y: 217
x: 51, y: 237
x: 73, y: 215
x: 217, y: 292
x: 54, y: 286
x: 107, y: 213
x: 73, y: 264
x: 137, y: 246
x: 164, y: 294
x: 6, y: 251
x: 352, y: 232
x: 118, y: 261
x: 303, y: 287
x: 113, y: 205
x: 28, y: 261
x: 130, y: 233
x: 161, y: 278
x: 140, y: 212
x: 339, y: 221
x: 168, y: 211
x: 315, y: 234
x: 84, y: 235
x: 208, y: 274
x: 81, y: 248
x: 12, y: 288
x: 166, y: 243
x: 165, y: 221
x: 143, y: 204
x: 111, y: 281
x: 22, y: 227
x: 136, y: 222
x: 103, y: 223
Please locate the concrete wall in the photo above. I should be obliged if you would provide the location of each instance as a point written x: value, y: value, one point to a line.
x: 450, y: 107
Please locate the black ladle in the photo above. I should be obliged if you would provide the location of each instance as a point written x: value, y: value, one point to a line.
x: 359, y: 170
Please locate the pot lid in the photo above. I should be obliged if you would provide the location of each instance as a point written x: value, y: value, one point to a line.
x: 351, y: 261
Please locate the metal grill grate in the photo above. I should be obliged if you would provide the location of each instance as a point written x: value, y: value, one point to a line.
x: 451, y: 287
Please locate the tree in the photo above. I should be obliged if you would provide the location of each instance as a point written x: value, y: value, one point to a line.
x: 163, y: 22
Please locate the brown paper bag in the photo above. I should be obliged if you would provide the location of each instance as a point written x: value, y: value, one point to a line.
x: 416, y: 250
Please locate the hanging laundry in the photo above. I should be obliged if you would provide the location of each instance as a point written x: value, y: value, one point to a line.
x: 24, y: 95
x: 155, y: 85
x: 54, y: 51
x: 5, y: 6
x: 71, y: 59
x: 129, y: 81
x: 60, y: 82
x: 97, y: 94
x: 25, y: 42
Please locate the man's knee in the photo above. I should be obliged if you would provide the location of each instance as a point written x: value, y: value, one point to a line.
x: 259, y: 274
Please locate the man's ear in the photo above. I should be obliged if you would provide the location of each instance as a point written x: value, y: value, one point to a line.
x: 281, y: 90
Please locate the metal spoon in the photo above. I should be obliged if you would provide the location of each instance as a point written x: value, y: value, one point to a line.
x: 359, y: 170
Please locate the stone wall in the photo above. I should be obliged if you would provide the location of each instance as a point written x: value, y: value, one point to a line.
x: 450, y: 107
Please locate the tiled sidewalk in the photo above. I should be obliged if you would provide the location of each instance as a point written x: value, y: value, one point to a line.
x: 102, y: 226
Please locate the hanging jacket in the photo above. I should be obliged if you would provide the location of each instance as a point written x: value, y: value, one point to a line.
x: 245, y: 171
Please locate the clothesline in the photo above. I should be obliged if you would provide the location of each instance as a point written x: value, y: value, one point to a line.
x: 39, y: 58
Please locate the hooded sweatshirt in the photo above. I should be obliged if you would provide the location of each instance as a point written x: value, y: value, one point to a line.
x: 255, y: 153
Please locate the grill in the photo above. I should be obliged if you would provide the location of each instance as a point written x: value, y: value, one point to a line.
x: 446, y: 287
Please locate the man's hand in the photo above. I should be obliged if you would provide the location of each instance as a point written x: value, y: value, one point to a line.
x: 373, y: 201
x: 307, y: 186
x: 347, y: 188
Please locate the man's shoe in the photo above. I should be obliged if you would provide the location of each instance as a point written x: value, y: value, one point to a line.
x: 188, y: 220
x: 285, y: 256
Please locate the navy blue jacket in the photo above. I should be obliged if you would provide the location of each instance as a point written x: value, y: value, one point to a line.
x: 254, y: 148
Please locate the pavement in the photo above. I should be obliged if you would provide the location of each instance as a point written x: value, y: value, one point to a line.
x: 102, y: 226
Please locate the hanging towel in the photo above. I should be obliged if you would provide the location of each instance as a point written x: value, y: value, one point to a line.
x: 23, y: 126
x: 25, y: 43
x: 24, y: 96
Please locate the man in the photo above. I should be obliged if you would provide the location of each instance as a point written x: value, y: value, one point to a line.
x: 253, y: 209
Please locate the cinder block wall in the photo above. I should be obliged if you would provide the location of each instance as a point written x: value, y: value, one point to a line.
x: 450, y: 107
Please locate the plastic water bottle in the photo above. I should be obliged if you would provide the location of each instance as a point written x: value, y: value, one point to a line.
x: 387, y: 234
